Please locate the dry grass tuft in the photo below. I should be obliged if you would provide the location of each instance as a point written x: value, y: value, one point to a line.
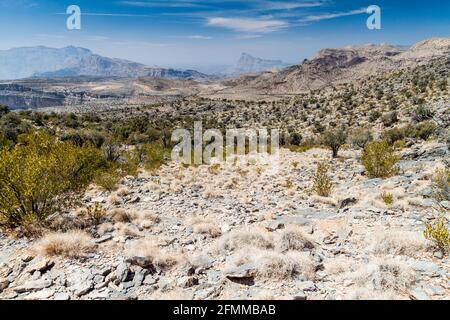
x: 273, y: 265
x: 73, y: 244
x: 383, y: 275
x: 246, y: 238
x: 398, y: 242
x: 147, y: 248
x: 123, y: 192
x: 293, y: 238
x: 206, y: 226
x: 120, y: 215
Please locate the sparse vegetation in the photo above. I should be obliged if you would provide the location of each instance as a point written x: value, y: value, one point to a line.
x: 388, y: 198
x: 322, y: 183
x: 73, y: 244
x: 335, y: 139
x: 40, y: 176
x: 379, y: 159
x: 438, y: 233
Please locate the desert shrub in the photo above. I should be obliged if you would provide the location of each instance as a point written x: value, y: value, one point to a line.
x: 71, y: 121
x: 439, y: 234
x: 73, y: 244
x: 422, y: 113
x: 448, y: 142
x: 374, y: 115
x: 379, y: 159
x: 94, y: 214
x: 111, y: 151
x: 295, y: 139
x: 441, y: 185
x: 334, y: 139
x: 361, y: 137
x: 390, y: 119
x: 41, y: 175
x: 394, y: 135
x: 387, y: 198
x: 322, y: 183
x: 3, y: 110
x: 426, y: 129
x: 153, y: 155
x: 399, y: 144
x: 108, y: 179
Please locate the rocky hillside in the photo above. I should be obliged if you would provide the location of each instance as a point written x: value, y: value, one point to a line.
x: 225, y: 232
x: 72, y: 61
x: 334, y: 66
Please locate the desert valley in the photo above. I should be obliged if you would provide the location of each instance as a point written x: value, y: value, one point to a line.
x: 92, y: 207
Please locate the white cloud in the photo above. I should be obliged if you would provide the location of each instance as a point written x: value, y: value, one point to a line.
x: 248, y: 24
x: 327, y: 16
x: 163, y: 4
x: 249, y: 36
x: 199, y: 37
x: 272, y: 5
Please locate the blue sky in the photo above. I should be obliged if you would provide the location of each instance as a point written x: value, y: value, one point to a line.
x: 205, y: 33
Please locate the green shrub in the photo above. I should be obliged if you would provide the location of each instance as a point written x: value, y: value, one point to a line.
x: 295, y: 139
x: 111, y: 151
x: 439, y: 234
x: 441, y: 185
x: 426, y: 129
x: 40, y: 176
x: 390, y: 118
x: 322, y: 182
x: 3, y: 110
x: 374, y: 115
x: 394, y: 135
x: 361, y: 137
x: 422, y: 113
x: 379, y: 159
x: 153, y: 155
x: 109, y: 179
x: 387, y: 198
x: 334, y: 139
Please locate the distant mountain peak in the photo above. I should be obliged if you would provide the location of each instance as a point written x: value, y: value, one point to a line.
x: 250, y: 64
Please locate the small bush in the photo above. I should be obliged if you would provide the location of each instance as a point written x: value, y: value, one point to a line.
x: 334, y: 139
x: 394, y: 135
x: 94, y: 215
x: 295, y: 139
x: 441, y: 185
x: 439, y: 234
x: 3, y: 110
x: 374, y: 115
x: 388, y: 198
x: 153, y: 155
x: 73, y: 244
x: 361, y: 137
x: 390, y: 119
x: 380, y: 160
x: 40, y: 176
x: 322, y: 183
x: 108, y: 180
x: 425, y: 130
x: 422, y: 113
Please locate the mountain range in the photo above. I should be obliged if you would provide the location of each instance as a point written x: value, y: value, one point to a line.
x: 72, y: 61
x: 330, y: 67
